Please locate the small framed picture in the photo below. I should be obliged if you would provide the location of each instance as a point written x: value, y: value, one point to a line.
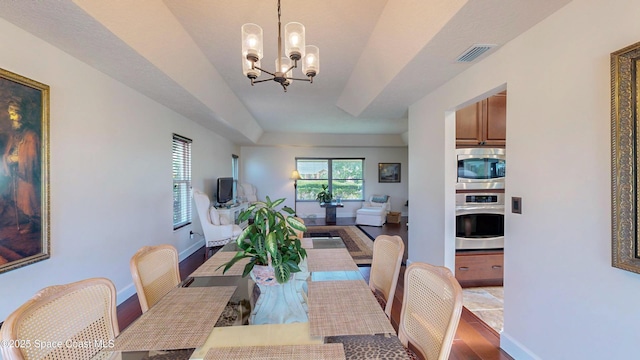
x: 389, y: 172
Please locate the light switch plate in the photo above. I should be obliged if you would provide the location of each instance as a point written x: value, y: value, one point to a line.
x: 516, y: 205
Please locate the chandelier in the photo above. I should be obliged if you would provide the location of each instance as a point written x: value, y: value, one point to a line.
x: 294, y: 49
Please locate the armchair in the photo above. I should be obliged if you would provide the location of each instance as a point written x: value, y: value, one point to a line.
x: 374, y: 211
x: 248, y: 191
x: 217, y: 229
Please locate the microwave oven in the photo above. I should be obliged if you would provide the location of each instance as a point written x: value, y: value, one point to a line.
x: 480, y: 168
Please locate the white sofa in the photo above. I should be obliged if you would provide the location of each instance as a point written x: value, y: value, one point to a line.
x: 374, y: 211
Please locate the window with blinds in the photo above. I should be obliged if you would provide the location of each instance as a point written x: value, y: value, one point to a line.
x: 181, y: 181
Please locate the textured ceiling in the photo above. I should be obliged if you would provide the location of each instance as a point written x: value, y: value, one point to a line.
x: 377, y: 57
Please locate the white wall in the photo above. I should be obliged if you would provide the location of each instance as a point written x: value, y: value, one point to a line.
x: 111, y: 187
x: 269, y: 169
x: 563, y: 300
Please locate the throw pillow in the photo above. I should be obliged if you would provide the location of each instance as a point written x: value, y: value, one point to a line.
x: 379, y: 198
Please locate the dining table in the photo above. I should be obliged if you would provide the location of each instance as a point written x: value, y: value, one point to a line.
x: 209, y: 315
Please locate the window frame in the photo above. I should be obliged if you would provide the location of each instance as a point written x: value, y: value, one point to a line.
x: 181, y: 175
x: 330, y: 178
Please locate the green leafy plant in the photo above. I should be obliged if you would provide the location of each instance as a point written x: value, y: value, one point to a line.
x: 324, y: 196
x: 270, y: 240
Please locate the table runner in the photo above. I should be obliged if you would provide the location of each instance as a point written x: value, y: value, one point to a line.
x: 182, y: 319
x: 345, y: 308
x: 210, y: 267
x: 308, y: 352
x: 330, y: 260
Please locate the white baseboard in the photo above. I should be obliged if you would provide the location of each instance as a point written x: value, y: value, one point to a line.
x: 515, y: 349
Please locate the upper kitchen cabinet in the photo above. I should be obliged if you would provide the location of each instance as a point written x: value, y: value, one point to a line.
x: 483, y: 123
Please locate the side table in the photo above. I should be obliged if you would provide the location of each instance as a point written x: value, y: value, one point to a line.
x: 330, y: 212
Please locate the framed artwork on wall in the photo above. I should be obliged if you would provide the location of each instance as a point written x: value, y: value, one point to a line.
x: 389, y: 172
x: 24, y: 172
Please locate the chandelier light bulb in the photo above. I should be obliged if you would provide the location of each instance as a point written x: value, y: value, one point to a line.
x: 311, y: 63
x: 294, y: 40
x: 249, y: 69
x: 252, y: 41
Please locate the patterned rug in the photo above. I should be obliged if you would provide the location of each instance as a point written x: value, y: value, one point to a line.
x: 359, y: 245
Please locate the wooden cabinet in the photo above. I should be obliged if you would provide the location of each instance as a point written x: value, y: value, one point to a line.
x: 483, y: 123
x: 480, y: 268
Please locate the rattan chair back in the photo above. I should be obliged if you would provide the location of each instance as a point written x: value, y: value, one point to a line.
x: 431, y: 310
x: 155, y: 271
x: 299, y: 234
x: 72, y: 321
x: 385, y: 267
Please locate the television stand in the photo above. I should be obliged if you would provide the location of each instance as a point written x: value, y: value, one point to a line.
x: 231, y: 213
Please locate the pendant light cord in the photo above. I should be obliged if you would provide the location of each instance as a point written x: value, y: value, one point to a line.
x: 279, y: 53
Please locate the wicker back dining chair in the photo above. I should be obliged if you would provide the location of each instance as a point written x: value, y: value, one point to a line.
x: 299, y: 234
x: 68, y: 317
x: 431, y: 310
x: 385, y: 268
x: 155, y: 271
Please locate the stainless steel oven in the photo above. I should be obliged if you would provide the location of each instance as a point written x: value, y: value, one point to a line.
x: 479, y: 221
x: 480, y: 168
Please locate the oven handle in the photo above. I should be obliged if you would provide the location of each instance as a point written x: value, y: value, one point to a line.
x: 479, y: 210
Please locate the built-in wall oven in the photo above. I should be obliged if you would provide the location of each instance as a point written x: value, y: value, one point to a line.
x: 479, y: 221
x: 480, y: 168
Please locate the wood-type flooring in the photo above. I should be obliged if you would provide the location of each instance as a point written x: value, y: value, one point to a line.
x: 474, y: 339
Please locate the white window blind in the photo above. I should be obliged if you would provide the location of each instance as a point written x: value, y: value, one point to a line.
x: 181, y: 181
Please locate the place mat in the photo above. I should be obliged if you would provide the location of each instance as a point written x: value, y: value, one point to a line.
x: 330, y: 260
x: 307, y: 243
x: 360, y: 245
x: 345, y: 307
x: 182, y: 319
x: 366, y: 347
x: 210, y: 267
x: 307, y: 352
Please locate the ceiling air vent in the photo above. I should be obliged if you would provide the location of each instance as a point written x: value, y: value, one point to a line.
x: 473, y: 52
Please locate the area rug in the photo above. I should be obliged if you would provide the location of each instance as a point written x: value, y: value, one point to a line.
x: 359, y: 245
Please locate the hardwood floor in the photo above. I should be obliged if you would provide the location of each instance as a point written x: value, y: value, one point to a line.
x: 474, y: 339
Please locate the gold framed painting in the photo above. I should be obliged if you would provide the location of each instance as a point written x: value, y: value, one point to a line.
x: 625, y: 160
x: 24, y: 172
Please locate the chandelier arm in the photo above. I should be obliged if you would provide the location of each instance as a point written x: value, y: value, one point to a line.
x: 289, y: 69
x: 298, y: 79
x: 263, y: 80
x: 270, y: 73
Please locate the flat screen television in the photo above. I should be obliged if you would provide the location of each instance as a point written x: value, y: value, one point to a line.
x: 225, y: 190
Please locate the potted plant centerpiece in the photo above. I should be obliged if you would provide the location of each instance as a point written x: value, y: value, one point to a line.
x: 324, y: 196
x: 270, y: 240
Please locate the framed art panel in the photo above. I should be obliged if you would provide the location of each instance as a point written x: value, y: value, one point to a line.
x: 389, y: 172
x: 24, y: 172
x: 625, y: 160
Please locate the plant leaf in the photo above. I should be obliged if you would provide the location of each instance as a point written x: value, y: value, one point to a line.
x: 239, y: 255
x: 277, y: 202
x: 282, y: 273
x: 271, y: 244
x: 296, y: 224
x: 288, y: 210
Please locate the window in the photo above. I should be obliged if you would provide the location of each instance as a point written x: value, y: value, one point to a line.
x: 345, y: 178
x: 181, y: 181
x: 234, y: 171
